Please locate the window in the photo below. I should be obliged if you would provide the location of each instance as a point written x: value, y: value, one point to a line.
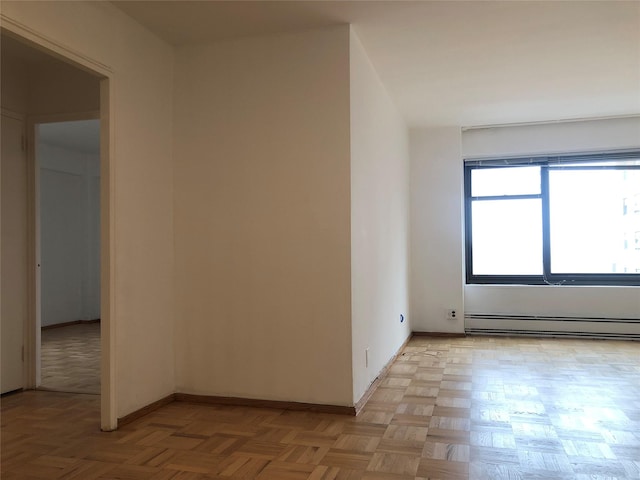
x: 553, y: 219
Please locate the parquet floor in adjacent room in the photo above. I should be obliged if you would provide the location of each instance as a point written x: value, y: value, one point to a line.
x: 70, y: 358
x: 470, y: 408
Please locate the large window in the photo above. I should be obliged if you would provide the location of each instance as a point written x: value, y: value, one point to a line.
x: 554, y: 220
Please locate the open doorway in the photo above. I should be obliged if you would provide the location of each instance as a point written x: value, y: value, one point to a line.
x: 67, y: 158
x: 43, y: 83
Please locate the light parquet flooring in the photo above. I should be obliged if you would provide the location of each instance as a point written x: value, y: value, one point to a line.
x: 70, y: 358
x: 471, y: 408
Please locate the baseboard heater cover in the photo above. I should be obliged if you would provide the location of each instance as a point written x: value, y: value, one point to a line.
x: 553, y: 326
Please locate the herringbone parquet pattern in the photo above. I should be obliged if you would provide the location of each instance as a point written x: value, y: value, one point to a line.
x: 70, y: 358
x: 473, y: 408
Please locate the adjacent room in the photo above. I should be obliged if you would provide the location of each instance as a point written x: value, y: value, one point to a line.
x: 68, y: 159
x: 321, y: 240
x: 52, y: 272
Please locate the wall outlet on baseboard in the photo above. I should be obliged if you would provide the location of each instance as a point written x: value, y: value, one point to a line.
x: 452, y: 314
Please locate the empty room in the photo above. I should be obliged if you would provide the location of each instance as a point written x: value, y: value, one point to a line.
x: 335, y: 240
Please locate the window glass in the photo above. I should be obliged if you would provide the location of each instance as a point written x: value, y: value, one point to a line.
x: 587, y: 226
x: 486, y: 182
x: 507, y: 237
x: 571, y: 219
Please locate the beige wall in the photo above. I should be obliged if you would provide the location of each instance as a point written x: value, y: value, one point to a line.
x: 37, y: 84
x: 13, y: 88
x: 58, y: 88
x: 379, y: 222
x: 13, y: 253
x: 262, y: 218
x: 143, y: 186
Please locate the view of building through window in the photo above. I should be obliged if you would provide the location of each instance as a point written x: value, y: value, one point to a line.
x: 590, y: 226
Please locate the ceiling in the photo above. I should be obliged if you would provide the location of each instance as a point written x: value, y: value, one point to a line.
x: 453, y: 62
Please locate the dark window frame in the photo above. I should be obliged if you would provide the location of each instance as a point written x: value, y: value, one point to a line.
x: 546, y: 163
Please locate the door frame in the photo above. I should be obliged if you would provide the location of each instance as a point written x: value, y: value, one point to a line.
x: 105, y: 74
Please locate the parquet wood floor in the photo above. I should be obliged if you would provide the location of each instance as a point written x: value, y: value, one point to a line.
x: 70, y: 358
x: 471, y: 408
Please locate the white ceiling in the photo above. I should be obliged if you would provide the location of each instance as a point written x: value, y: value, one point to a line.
x: 453, y: 62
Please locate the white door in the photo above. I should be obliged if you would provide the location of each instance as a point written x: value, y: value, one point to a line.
x: 13, y: 259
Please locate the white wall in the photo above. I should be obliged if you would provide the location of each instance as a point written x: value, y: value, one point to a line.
x: 437, y: 260
x: 142, y: 83
x: 379, y: 222
x: 262, y: 218
x: 567, y: 301
x: 70, y: 234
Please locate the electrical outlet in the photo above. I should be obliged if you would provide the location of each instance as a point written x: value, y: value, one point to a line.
x: 452, y: 314
x: 401, y: 318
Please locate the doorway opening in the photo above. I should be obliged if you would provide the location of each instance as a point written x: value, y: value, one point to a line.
x: 67, y: 159
x: 48, y: 89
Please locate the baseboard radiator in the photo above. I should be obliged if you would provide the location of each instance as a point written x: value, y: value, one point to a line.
x: 549, y: 326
